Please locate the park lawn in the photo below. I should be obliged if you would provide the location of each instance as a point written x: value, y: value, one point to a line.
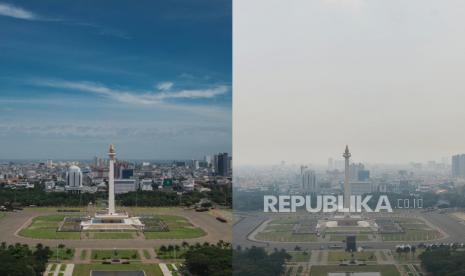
x: 336, y: 256
x: 150, y: 210
x: 113, y: 235
x: 299, y: 256
x: 343, y: 238
x: 146, y: 254
x: 118, y: 253
x: 83, y: 255
x: 179, y: 228
x: 171, y: 254
x: 2, y: 215
x: 285, y: 237
x: 53, y: 209
x: 412, y: 235
x: 346, y: 229
x: 45, y: 227
x: 63, y: 254
x: 85, y: 269
x: 323, y: 270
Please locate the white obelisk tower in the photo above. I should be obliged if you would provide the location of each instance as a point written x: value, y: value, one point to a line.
x: 111, y: 181
x: 347, y: 189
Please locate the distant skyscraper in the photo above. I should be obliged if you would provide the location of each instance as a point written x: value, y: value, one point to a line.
x: 458, y: 165
x: 330, y: 164
x: 222, y: 164
x: 309, y: 183
x: 127, y: 173
x: 73, y: 179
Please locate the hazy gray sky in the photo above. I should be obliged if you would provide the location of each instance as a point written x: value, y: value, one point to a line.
x: 385, y: 77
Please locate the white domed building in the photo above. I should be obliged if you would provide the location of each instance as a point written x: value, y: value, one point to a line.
x: 73, y: 179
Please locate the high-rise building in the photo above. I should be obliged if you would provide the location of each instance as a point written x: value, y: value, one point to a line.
x: 73, y: 179
x: 363, y: 175
x: 222, y: 164
x: 126, y: 173
x: 309, y: 183
x: 330, y: 164
x: 458, y: 165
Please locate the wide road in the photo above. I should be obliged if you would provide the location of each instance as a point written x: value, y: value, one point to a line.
x: 14, y: 221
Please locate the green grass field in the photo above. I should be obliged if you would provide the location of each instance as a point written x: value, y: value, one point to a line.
x: 299, y: 256
x: 336, y: 256
x: 45, y: 227
x: 147, y: 254
x: 84, y: 269
x: 180, y: 228
x: 122, y: 254
x: 415, y: 230
x: 280, y: 230
x: 343, y: 237
x: 83, y: 255
x: 178, y: 254
x: 385, y: 270
x: 285, y: 237
x: 63, y: 254
x: 112, y: 235
x: 413, y: 235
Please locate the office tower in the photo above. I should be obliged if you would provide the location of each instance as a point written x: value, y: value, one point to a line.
x: 458, y: 166
x: 309, y: 183
x: 222, y: 164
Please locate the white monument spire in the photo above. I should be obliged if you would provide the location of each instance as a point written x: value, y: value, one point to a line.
x: 347, y: 188
x: 111, y: 181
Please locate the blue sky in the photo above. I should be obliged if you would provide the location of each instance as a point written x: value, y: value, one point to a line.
x: 153, y: 78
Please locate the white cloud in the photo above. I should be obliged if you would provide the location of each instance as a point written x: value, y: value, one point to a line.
x: 165, y: 85
x: 139, y: 98
x: 16, y: 12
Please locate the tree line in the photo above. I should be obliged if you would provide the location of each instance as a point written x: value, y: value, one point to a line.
x: 37, y: 197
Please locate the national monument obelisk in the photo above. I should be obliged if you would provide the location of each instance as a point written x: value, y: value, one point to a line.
x: 111, y: 181
x: 347, y: 188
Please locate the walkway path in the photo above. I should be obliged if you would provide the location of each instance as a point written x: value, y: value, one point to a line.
x: 165, y: 270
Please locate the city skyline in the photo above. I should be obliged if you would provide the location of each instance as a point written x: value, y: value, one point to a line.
x: 152, y: 78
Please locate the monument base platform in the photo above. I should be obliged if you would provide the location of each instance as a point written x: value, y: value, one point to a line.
x: 112, y: 222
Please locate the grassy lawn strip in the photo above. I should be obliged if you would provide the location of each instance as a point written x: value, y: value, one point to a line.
x: 83, y: 255
x: 336, y: 256
x: 299, y: 256
x: 120, y: 254
x: 147, y: 254
x: 45, y: 227
x: 63, y: 254
x: 113, y: 235
x: 179, y: 228
x: 176, y: 233
x: 171, y: 254
x: 385, y: 270
x: 85, y: 269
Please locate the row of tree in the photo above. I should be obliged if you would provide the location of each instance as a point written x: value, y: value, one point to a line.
x: 140, y: 198
x: 444, y: 261
x: 20, y: 260
x: 256, y: 261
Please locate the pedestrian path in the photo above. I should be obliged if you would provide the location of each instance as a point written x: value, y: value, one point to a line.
x: 165, y: 270
x: 56, y: 269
